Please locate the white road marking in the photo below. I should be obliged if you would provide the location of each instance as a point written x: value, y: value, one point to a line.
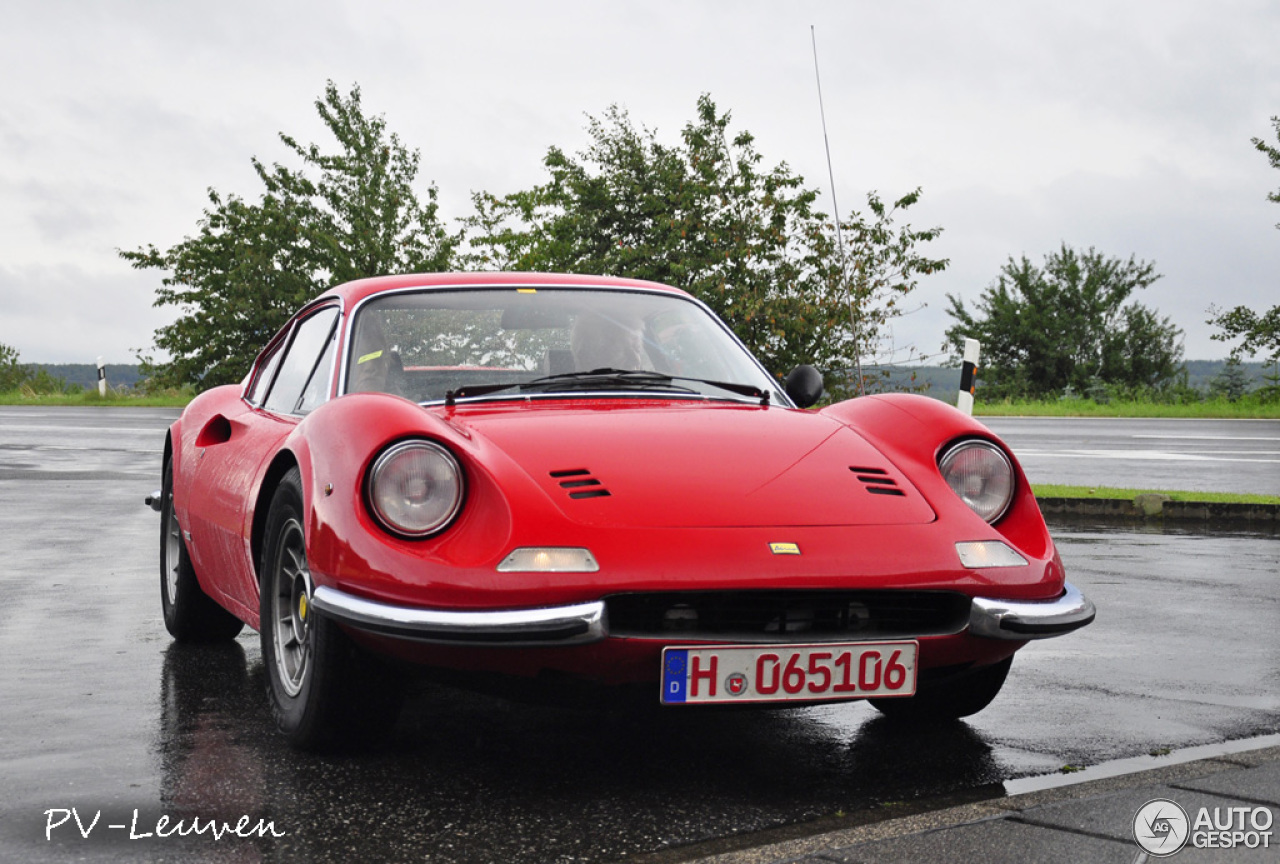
x: 40, y: 448
x: 1206, y: 437
x: 23, y: 427
x: 1136, y: 455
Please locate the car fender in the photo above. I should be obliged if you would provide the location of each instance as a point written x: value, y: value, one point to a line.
x: 912, y: 431
x: 334, y: 448
x: 183, y: 448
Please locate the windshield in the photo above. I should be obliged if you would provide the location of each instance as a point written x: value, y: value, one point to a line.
x: 429, y: 345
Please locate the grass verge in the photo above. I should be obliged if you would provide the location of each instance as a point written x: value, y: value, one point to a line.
x: 90, y: 397
x: 1245, y: 408
x: 1050, y: 490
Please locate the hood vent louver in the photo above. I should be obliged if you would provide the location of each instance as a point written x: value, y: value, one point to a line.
x: 877, y: 481
x: 579, y: 483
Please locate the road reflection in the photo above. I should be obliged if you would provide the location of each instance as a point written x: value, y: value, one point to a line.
x: 206, y: 772
x: 471, y: 777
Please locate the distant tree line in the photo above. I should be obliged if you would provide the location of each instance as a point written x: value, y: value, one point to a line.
x: 18, y: 376
x: 1196, y: 380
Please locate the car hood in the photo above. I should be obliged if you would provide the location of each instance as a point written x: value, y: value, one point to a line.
x: 644, y: 464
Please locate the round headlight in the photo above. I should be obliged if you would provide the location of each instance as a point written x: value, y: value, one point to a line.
x: 416, y: 488
x: 982, y: 475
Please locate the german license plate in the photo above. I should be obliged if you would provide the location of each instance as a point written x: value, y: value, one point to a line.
x: 776, y: 673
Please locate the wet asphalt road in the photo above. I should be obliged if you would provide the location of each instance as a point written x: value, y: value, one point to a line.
x: 100, y: 712
x: 1151, y: 453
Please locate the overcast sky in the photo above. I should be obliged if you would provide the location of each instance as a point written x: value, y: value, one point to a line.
x: 1123, y: 126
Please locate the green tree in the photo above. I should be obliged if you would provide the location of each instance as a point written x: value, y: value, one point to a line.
x: 343, y: 215
x: 1231, y: 382
x: 20, y: 376
x: 1259, y: 332
x: 1273, y: 156
x: 12, y: 373
x: 1066, y: 324
x: 706, y: 215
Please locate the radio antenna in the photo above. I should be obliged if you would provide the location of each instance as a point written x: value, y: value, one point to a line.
x: 835, y: 208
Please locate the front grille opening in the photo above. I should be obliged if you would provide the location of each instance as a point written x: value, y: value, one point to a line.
x: 787, y: 616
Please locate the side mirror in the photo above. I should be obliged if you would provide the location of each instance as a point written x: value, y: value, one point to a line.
x: 804, y: 385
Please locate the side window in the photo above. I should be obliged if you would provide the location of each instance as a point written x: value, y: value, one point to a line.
x: 266, y: 372
x: 311, y: 339
x: 316, y: 392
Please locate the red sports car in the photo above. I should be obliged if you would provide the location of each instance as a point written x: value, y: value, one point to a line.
x: 584, y: 477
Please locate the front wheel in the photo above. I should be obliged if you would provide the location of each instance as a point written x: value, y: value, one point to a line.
x: 190, y: 615
x: 323, y: 691
x: 959, y: 696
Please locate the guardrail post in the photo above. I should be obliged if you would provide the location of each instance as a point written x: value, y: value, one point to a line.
x: 968, y: 374
x: 102, y: 378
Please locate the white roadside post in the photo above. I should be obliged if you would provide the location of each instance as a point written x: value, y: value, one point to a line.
x: 102, y: 378
x: 968, y: 372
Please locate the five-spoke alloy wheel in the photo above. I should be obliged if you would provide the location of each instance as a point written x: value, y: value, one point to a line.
x: 322, y: 689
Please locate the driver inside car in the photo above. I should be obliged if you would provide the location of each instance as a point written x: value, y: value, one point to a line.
x: 607, y: 342
x: 375, y: 367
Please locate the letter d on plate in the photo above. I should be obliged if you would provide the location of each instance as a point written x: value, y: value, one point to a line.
x: 675, y: 663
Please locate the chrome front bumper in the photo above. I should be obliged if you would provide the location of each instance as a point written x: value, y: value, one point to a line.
x: 1030, y: 619
x: 584, y: 623
x: 562, y: 625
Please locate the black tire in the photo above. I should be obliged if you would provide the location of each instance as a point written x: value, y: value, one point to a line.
x: 950, y: 699
x: 190, y: 615
x: 323, y: 691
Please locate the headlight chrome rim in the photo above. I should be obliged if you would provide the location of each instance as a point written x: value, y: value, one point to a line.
x: 448, y: 480
x: 991, y: 505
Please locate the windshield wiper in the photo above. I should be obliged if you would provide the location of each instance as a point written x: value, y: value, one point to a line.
x: 566, y: 381
x: 633, y: 377
x: 741, y: 389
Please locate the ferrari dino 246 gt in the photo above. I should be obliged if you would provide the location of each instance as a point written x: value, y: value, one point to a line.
x: 591, y: 478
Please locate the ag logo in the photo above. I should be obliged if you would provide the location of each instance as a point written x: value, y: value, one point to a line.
x: 736, y: 684
x: 1161, y: 827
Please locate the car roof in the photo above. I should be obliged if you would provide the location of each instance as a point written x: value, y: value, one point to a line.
x: 351, y: 293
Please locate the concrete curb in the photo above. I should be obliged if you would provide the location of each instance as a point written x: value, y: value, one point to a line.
x: 1034, y: 816
x: 1161, y: 508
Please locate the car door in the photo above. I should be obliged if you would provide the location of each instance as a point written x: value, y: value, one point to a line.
x: 236, y: 448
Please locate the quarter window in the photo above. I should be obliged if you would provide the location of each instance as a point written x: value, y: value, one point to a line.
x: 303, y: 362
x: 266, y: 371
